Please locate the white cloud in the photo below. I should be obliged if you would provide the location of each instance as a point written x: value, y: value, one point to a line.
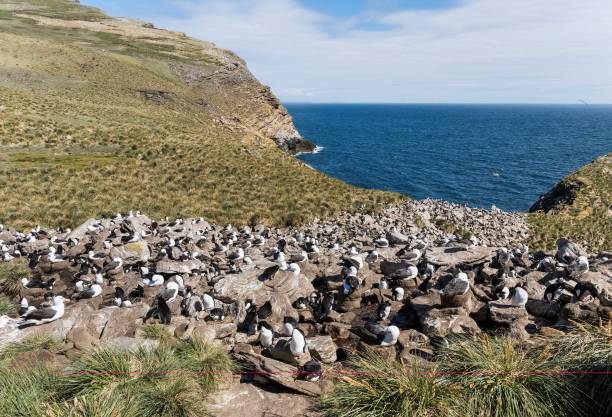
x: 478, y: 51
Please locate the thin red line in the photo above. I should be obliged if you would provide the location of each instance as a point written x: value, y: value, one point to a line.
x: 338, y: 373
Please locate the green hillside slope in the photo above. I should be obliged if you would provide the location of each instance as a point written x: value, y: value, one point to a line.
x: 99, y: 115
x: 579, y: 208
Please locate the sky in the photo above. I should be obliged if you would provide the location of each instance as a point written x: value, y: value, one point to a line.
x: 405, y: 51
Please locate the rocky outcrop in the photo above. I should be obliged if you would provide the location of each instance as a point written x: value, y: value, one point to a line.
x: 350, y: 292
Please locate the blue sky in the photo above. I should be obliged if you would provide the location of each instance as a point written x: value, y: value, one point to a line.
x: 405, y: 50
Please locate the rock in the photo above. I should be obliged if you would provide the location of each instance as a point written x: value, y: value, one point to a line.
x: 177, y: 267
x: 394, y: 269
x: 131, y: 343
x: 28, y: 248
x: 603, y: 283
x: 441, y: 322
x: 519, y: 329
x: 462, y: 300
x: 410, y: 338
x: 488, y: 274
x: 450, y: 256
x: 505, y: 314
x: 247, y: 285
x: 541, y: 308
x: 223, y: 330
x: 396, y: 238
x: 182, y: 330
x: 426, y: 302
x: 281, y: 373
x: 132, y: 253
x: 480, y: 311
x: 322, y: 348
x: 580, y: 312
x: 282, y: 352
x: 239, y: 399
x: 205, y: 332
x: 338, y: 330
x: 551, y: 332
x: 82, y: 339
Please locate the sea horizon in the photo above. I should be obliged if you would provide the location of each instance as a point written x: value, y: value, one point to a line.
x: 505, y: 155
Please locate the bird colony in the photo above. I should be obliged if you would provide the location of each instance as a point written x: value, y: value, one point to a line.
x: 299, y: 300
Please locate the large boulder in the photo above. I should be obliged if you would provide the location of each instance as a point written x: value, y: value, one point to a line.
x: 323, y: 348
x: 248, y: 285
x: 177, y: 267
x: 132, y: 253
x: 282, y: 352
x: 505, y: 314
x: 448, y: 256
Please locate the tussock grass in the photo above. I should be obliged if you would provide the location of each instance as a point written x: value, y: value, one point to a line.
x: 113, y: 383
x: 10, y: 276
x: 24, y: 394
x: 588, y: 348
x: 31, y: 344
x: 580, y: 209
x: 522, y: 387
x: 383, y: 388
x: 7, y: 307
x: 77, y: 140
x: 484, y: 376
x: 157, y: 332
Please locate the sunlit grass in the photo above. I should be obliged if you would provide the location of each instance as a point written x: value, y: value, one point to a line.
x: 587, y: 218
x: 10, y: 276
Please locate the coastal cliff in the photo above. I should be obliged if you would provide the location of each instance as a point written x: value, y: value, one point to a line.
x: 100, y: 115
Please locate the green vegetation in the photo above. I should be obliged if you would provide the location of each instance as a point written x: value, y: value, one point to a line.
x: 156, y: 332
x: 484, y: 376
x: 161, y: 381
x: 7, y: 307
x: 10, y: 276
x: 579, y: 208
x: 449, y: 227
x: 31, y: 344
x: 95, y: 118
x: 382, y: 388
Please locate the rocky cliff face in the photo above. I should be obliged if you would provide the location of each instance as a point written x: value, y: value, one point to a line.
x: 260, y: 112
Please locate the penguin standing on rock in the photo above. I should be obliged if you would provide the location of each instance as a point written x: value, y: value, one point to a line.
x: 159, y: 310
x: 297, y: 344
x: 266, y: 336
x: 519, y: 297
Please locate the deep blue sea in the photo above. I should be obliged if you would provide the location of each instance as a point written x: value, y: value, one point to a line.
x: 507, y: 155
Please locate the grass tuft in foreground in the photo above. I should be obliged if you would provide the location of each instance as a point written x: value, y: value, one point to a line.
x: 382, y: 388
x: 522, y: 385
x: 461, y: 382
x: 31, y: 344
x: 111, y: 383
x: 156, y: 332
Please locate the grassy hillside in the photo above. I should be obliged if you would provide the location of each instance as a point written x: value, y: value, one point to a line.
x: 579, y: 208
x: 100, y: 115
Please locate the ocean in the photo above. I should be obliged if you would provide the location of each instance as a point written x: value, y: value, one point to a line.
x: 482, y: 155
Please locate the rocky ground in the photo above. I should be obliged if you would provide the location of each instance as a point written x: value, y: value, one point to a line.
x: 347, y: 283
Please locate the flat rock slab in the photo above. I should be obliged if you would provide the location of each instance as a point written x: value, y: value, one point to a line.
x: 242, y: 399
x: 445, y: 256
x: 248, y: 285
x: 281, y: 373
x: 177, y: 267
